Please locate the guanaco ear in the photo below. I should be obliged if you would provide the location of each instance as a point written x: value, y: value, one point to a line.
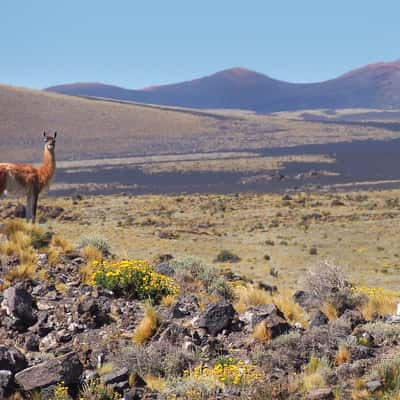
x: 55, y: 135
x: 44, y: 133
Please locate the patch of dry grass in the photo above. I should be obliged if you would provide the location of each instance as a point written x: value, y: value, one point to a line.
x: 90, y: 254
x: 250, y: 296
x: 262, y: 333
x: 330, y: 311
x: 168, y: 301
x: 147, y: 326
x: 19, y: 242
x: 343, y: 355
x: 292, y: 311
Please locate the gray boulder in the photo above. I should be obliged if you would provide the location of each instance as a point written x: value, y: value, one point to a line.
x: 217, y: 317
x: 67, y: 368
x: 20, y: 306
x: 318, y: 319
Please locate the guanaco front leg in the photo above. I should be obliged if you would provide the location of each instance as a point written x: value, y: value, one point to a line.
x: 34, y: 205
x: 29, y: 206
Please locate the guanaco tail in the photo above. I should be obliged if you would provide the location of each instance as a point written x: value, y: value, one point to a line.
x: 26, y: 179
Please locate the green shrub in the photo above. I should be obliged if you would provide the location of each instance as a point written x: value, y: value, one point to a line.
x: 212, y: 280
x: 227, y: 256
x: 134, y: 279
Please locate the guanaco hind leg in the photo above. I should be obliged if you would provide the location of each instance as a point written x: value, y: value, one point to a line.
x: 3, y: 181
x: 29, y: 206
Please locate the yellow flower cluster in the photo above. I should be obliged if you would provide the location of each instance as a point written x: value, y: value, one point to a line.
x: 229, y: 373
x: 134, y: 278
x: 61, y: 391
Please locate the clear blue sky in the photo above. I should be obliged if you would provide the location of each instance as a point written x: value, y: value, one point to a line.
x: 139, y: 43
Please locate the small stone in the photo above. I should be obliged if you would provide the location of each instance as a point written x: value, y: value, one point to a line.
x: 5, y: 380
x: 318, y: 319
x: 373, y: 386
x: 320, y: 394
x: 165, y: 269
x: 32, y: 343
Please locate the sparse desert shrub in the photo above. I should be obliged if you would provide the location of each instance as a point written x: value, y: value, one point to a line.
x: 147, y: 326
x: 222, y: 288
x: 227, y: 256
x: 314, y: 374
x: 382, y: 331
x: 211, y: 279
x: 133, y: 278
x: 159, y: 359
x: 96, y: 241
x: 388, y: 372
x: 328, y: 284
x: 40, y: 239
x: 293, y: 350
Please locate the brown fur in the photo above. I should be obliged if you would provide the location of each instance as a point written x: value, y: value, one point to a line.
x: 32, y: 180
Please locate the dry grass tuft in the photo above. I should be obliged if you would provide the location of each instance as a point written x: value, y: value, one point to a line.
x: 314, y: 373
x: 313, y: 380
x: 249, y: 296
x: 330, y: 311
x: 21, y: 272
x: 155, y: 383
x: 292, y: 311
x: 168, y: 301
x: 19, y: 242
x: 90, y: 254
x: 262, y: 333
x: 61, y: 287
x: 63, y: 244
x: 147, y: 326
x: 343, y: 355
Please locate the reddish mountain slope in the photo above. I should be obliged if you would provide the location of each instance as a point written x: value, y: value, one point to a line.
x: 373, y: 86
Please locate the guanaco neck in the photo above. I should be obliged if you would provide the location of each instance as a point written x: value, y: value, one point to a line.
x: 47, y: 169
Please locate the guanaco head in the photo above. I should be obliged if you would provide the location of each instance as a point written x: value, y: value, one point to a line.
x: 49, y: 141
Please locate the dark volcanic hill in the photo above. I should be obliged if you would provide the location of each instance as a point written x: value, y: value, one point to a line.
x: 373, y: 86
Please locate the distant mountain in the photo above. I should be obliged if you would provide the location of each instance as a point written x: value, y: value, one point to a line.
x: 372, y: 86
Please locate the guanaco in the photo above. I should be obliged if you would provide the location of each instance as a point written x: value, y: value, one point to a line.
x: 26, y: 179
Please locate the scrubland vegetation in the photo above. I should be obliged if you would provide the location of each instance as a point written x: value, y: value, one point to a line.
x: 92, y: 289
